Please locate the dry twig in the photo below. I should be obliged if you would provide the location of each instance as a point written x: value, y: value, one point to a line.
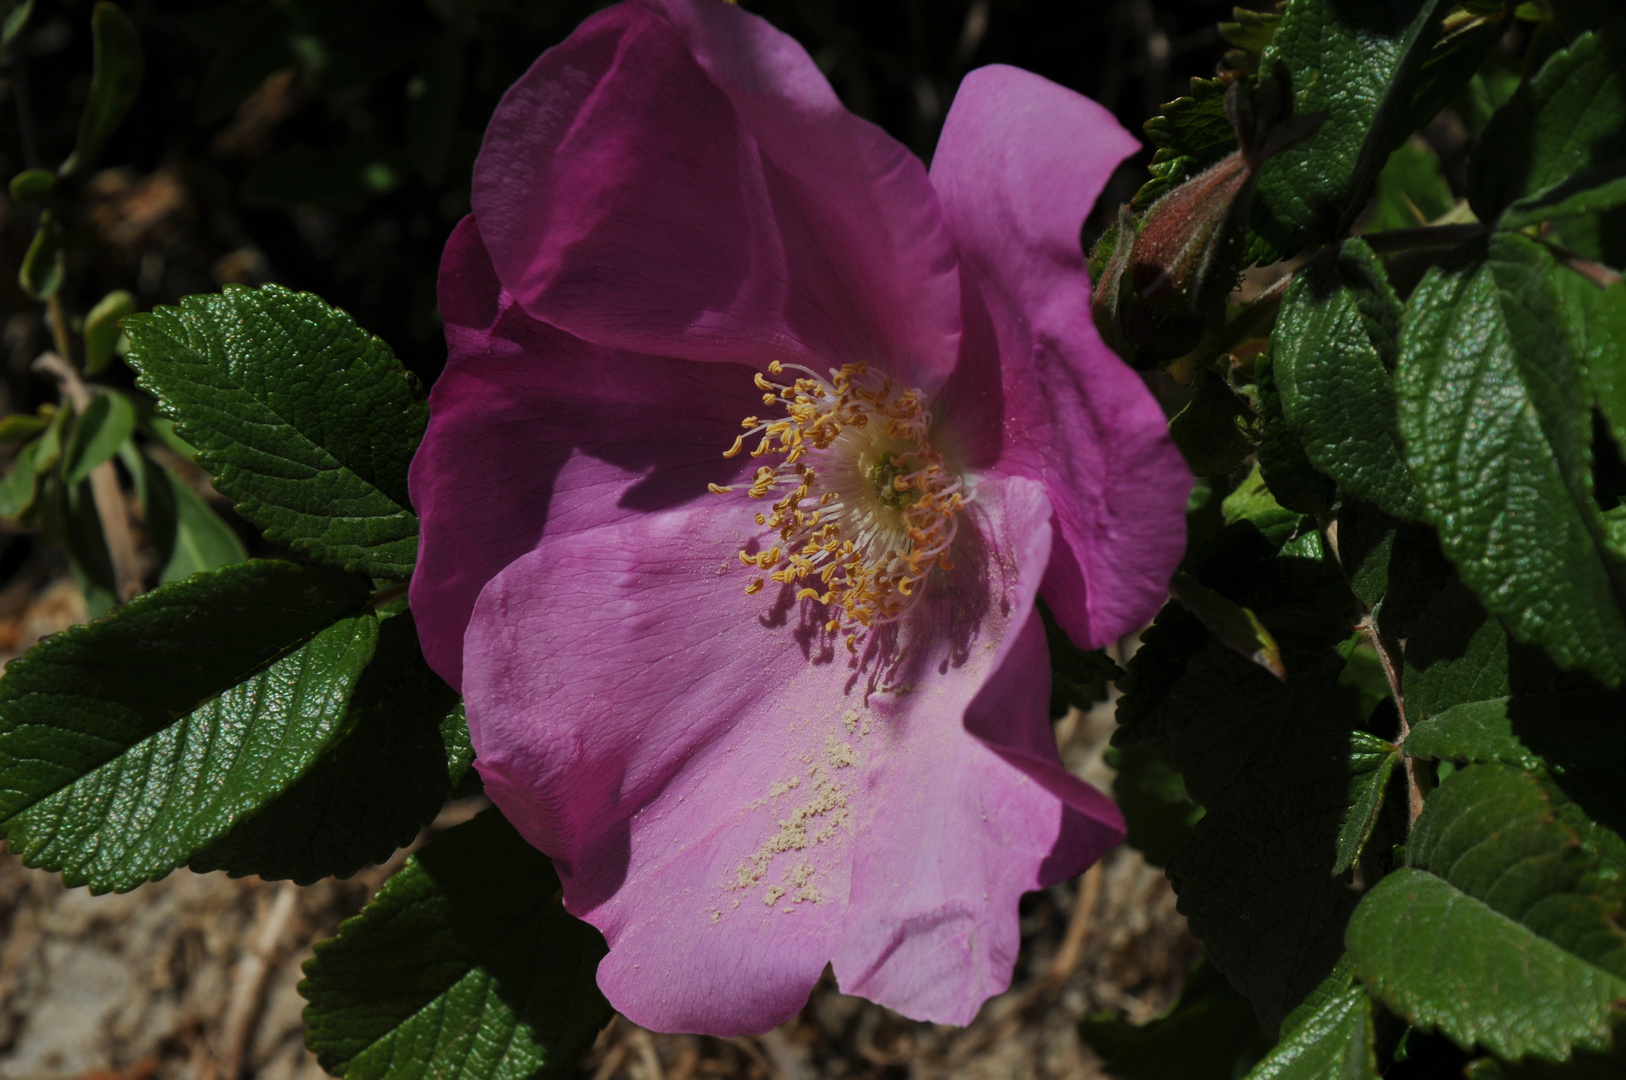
x: 248, y: 983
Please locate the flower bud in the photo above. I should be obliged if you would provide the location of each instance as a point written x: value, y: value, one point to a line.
x: 1166, y: 282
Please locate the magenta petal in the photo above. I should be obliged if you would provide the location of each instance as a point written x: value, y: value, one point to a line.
x: 1020, y: 163
x: 678, y: 178
x: 714, y: 775
x: 534, y: 431
x: 933, y: 927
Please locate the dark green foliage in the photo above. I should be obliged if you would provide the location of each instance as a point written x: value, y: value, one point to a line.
x: 1367, y: 66
x: 1499, y: 930
x: 1334, y: 346
x: 196, y: 705
x: 464, y: 965
x: 1293, y: 479
x: 115, y: 80
x: 305, y: 420
x: 371, y: 791
x: 1272, y: 763
x: 1493, y: 410
x: 1078, y: 677
x: 1566, y: 122
x: 1152, y: 795
x: 97, y: 435
x: 1213, y: 430
x: 1410, y: 190
x: 1334, y: 1042
x: 1191, y: 134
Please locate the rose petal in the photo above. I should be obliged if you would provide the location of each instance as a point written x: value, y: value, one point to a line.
x: 704, y: 765
x: 1020, y: 163
x: 933, y: 931
x: 532, y: 430
x: 679, y: 178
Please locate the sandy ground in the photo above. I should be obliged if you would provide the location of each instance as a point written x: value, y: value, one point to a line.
x: 194, y: 977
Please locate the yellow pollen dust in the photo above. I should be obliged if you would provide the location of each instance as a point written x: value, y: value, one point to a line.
x: 865, y: 509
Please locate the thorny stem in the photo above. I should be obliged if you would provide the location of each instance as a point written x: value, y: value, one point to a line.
x: 1426, y: 236
x: 104, y: 481
x: 1389, y: 655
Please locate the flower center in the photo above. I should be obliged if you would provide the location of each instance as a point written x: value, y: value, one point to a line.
x: 864, y: 507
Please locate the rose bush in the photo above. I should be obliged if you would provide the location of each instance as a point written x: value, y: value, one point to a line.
x: 781, y: 702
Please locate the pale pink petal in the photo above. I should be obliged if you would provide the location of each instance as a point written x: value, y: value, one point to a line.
x: 678, y: 178
x: 706, y: 767
x: 936, y: 881
x: 1020, y: 163
x: 534, y: 431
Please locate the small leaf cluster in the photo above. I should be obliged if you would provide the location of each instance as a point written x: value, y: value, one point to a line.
x: 1376, y: 736
x: 277, y: 717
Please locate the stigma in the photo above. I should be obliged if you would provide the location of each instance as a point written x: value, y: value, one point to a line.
x: 864, y: 509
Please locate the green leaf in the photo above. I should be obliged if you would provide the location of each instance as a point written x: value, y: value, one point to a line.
x: 1367, y: 66
x: 1270, y: 762
x: 1157, y: 811
x: 116, y: 68
x: 107, y: 422
x: 370, y: 791
x: 18, y: 489
x: 1249, y: 36
x: 1272, y: 766
x: 1417, y: 570
x: 1598, y: 317
x: 31, y: 187
x: 14, y: 20
x: 1079, y: 677
x: 1456, y: 653
x: 1569, y: 118
x: 1495, y: 933
x: 1493, y: 410
x: 305, y: 420
x: 1191, y: 133
x: 1371, y: 764
x: 1283, y: 464
x: 1234, y: 625
x: 1332, y: 1043
x: 1335, y: 341
x: 1472, y: 731
x: 102, y: 329
x: 1212, y: 431
x: 88, y: 557
x: 1592, y: 191
x: 459, y: 747
x: 1366, y: 541
x: 1575, y: 736
x: 1411, y: 190
x: 130, y: 744
x: 465, y: 966
x: 1469, y: 36
x: 40, y: 275
x: 189, y: 536
x: 1208, y: 1034
x: 21, y: 427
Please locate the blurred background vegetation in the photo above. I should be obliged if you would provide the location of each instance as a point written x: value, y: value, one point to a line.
x: 327, y: 145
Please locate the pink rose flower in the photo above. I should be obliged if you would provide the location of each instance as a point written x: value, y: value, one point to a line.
x: 784, y: 708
